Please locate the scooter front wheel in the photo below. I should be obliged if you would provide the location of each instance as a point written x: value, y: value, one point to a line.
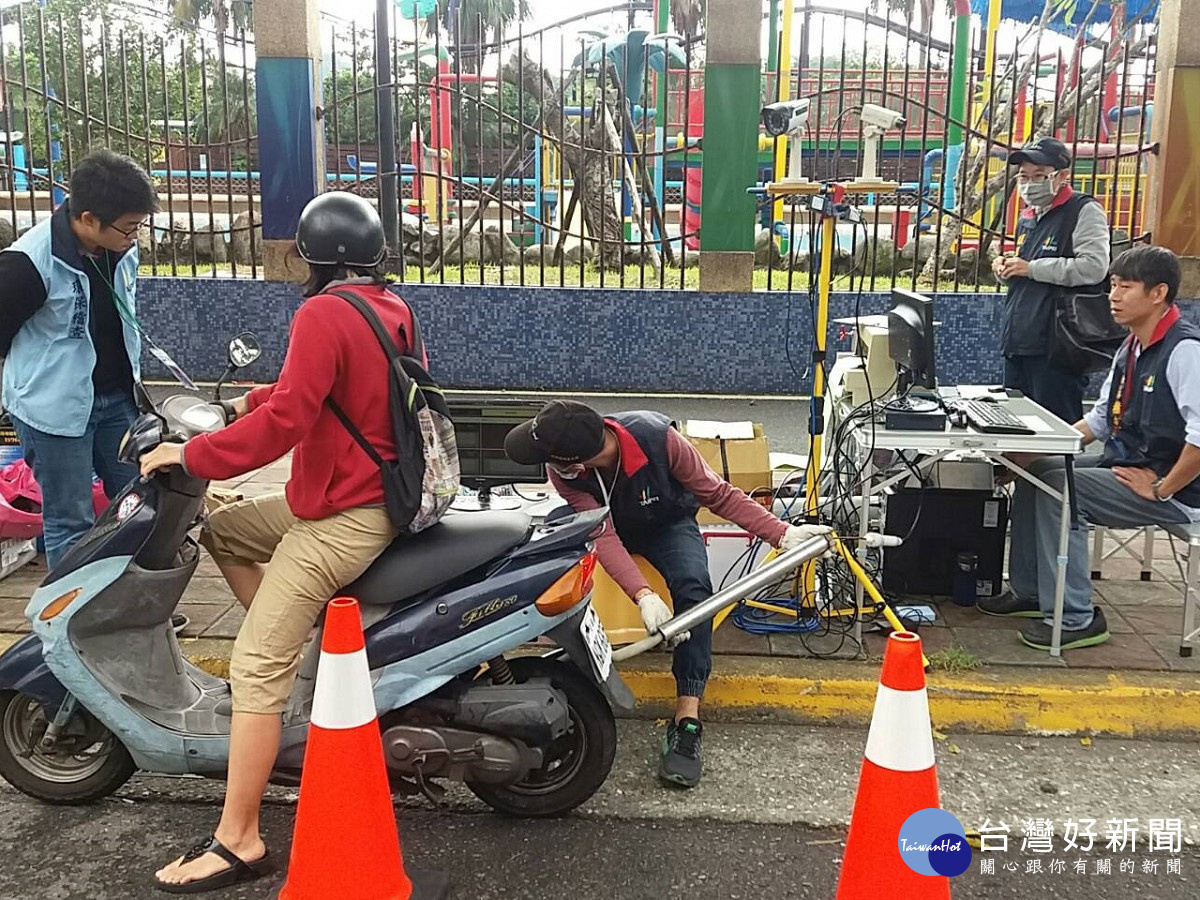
x: 577, y: 764
x: 86, y: 763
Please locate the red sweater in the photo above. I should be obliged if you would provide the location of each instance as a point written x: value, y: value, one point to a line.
x: 332, y: 353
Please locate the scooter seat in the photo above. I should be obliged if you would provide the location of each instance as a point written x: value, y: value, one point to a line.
x: 454, y: 546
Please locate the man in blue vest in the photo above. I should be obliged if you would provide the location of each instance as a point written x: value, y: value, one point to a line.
x: 1062, y: 243
x: 653, y: 482
x: 70, y: 342
x: 1148, y: 418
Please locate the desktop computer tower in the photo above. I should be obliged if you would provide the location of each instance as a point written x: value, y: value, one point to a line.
x: 950, y: 522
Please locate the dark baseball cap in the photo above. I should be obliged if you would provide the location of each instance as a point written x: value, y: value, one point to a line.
x: 563, y: 432
x: 1046, y: 152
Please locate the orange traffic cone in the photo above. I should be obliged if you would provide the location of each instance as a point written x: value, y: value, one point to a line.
x: 346, y: 844
x: 898, y: 779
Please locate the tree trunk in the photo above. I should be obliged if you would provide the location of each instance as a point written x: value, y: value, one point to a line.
x: 586, y: 154
x: 638, y: 209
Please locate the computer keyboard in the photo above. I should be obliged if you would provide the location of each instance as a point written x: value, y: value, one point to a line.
x: 992, y: 418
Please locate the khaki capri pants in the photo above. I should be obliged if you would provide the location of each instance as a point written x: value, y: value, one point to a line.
x: 308, y: 561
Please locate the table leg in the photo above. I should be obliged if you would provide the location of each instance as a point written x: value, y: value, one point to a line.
x: 1060, y: 576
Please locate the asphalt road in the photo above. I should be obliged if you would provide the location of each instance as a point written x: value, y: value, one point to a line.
x: 108, y: 852
x: 768, y: 822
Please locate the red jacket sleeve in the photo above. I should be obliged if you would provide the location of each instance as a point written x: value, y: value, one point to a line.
x: 292, y: 404
x: 258, y: 396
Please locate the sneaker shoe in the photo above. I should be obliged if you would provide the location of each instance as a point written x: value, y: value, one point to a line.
x: 681, y: 761
x: 1009, y: 604
x: 179, y: 622
x: 1038, y: 634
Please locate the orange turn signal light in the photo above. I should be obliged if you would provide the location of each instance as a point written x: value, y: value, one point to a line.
x: 569, y: 589
x: 58, y: 604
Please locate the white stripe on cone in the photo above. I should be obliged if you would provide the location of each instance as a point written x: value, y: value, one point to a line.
x: 342, y: 698
x: 901, y: 738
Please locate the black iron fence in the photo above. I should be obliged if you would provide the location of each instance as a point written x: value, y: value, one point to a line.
x: 179, y: 101
x: 573, y: 154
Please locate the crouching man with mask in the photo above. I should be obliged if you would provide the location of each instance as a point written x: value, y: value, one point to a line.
x: 654, y: 482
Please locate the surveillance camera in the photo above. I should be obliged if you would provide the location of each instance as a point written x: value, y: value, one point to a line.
x: 880, y: 117
x: 785, y: 117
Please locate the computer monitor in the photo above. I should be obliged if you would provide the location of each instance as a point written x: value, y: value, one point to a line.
x: 910, y: 341
x: 480, y: 427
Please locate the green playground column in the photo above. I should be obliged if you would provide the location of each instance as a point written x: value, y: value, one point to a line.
x: 959, y: 80
x: 732, y: 97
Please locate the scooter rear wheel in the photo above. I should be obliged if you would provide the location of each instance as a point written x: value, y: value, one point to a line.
x: 87, y: 762
x: 577, y: 764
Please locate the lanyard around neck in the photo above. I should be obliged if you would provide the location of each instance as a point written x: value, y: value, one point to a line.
x: 125, y: 311
x: 123, y: 308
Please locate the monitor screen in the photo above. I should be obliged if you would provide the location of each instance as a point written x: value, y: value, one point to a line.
x: 910, y: 340
x: 480, y: 427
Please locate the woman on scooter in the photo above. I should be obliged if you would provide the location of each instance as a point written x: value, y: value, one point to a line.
x: 285, y: 555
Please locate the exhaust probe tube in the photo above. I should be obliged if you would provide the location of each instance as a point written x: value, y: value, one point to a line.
x: 760, y: 578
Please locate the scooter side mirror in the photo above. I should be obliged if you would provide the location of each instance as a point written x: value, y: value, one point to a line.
x: 244, y: 349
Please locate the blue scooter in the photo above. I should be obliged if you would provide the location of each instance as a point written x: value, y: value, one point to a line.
x: 100, y: 688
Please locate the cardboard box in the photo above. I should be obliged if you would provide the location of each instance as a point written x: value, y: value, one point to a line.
x: 743, y: 460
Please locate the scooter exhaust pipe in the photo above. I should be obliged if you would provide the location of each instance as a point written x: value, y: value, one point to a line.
x: 760, y: 578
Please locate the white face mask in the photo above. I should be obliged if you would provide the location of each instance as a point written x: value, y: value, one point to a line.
x: 1038, y: 193
x: 569, y: 471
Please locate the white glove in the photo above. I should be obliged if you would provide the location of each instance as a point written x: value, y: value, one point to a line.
x: 654, y: 613
x: 798, y: 534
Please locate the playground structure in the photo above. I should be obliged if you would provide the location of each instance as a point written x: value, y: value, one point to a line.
x: 650, y: 85
x: 1109, y: 133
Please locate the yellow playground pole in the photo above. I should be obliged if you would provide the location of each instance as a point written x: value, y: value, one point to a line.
x: 783, y: 90
x: 989, y: 53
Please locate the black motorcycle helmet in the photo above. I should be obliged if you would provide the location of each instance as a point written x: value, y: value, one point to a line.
x: 340, y: 229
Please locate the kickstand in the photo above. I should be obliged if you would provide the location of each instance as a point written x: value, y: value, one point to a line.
x: 434, y: 792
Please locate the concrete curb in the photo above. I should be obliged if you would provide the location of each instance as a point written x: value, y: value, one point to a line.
x: 1002, y: 700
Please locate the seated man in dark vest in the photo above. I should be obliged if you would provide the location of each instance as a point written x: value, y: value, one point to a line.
x: 1148, y: 418
x: 1062, y: 244
x: 654, y: 482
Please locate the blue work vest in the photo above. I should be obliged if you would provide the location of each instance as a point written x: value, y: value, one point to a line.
x: 48, y: 371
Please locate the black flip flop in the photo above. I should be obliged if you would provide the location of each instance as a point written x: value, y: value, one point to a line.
x: 239, y: 870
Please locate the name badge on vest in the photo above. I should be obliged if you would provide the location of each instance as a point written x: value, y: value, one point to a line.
x: 1148, y: 384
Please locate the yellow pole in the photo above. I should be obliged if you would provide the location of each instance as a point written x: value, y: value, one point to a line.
x: 812, y: 475
x: 783, y: 92
x: 989, y: 54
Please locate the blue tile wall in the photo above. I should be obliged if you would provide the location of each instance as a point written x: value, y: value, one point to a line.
x: 565, y: 339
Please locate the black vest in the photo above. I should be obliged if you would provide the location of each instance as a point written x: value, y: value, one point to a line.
x: 1149, y: 433
x: 649, y: 498
x: 1029, y: 312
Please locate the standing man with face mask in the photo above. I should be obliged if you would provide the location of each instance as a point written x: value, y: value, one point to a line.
x: 1062, y: 243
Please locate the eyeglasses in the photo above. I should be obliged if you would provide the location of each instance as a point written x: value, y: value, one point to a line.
x: 1035, y: 179
x: 130, y: 232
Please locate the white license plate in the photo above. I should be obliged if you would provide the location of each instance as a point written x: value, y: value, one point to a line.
x: 597, y: 643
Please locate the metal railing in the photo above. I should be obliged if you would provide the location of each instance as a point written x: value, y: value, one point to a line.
x: 564, y: 155
x: 560, y: 174
x: 180, y: 102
